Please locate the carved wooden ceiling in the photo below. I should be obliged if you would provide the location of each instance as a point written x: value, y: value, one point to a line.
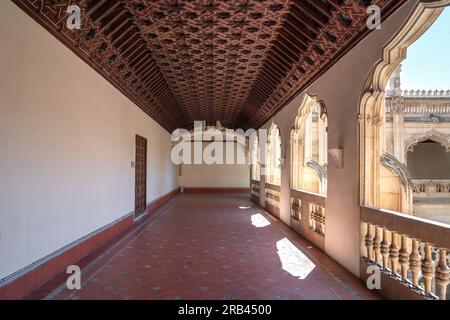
x: 235, y: 61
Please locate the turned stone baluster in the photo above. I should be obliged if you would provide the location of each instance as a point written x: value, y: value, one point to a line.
x: 414, y: 262
x: 377, y: 244
x: 317, y: 218
x: 404, y: 257
x: 385, y: 248
x: 323, y: 221
x: 316, y: 222
x: 312, y: 224
x: 313, y: 217
x: 394, y: 252
x: 428, y: 268
x: 442, y: 274
x: 368, y: 241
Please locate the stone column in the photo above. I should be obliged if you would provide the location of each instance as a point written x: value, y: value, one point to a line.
x: 323, y: 142
x: 399, y: 143
x: 397, y: 114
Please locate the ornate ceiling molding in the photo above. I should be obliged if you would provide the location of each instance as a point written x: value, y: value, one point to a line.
x: 345, y: 26
x: 235, y: 61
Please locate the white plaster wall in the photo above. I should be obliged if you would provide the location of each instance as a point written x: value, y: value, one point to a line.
x: 341, y: 89
x: 216, y: 175
x: 67, y: 138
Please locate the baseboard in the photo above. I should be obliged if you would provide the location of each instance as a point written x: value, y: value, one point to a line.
x: 23, y: 282
x: 215, y: 190
x: 158, y: 203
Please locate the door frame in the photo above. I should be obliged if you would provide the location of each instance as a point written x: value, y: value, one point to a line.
x: 140, y: 209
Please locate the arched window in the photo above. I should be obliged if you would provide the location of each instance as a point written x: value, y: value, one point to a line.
x: 398, y: 111
x: 389, y: 115
x: 273, y: 156
x: 309, y: 140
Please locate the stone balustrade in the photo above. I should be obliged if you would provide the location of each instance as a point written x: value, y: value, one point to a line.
x: 308, y: 215
x: 273, y: 199
x: 296, y: 207
x: 431, y: 186
x: 317, y: 219
x: 410, y: 250
x: 255, y: 191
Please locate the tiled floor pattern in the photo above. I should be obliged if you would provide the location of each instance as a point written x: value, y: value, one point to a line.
x: 210, y: 246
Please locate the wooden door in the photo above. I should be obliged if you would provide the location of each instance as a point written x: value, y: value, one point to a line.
x: 140, y: 176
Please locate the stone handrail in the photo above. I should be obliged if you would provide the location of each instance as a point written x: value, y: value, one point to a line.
x: 313, y: 206
x: 273, y: 187
x: 404, y: 245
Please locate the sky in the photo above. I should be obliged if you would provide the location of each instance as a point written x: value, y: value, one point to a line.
x: 427, y: 66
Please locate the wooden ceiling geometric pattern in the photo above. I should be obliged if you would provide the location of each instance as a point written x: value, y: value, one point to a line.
x: 235, y: 61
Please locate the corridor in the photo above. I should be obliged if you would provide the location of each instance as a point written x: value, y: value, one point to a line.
x: 224, y: 150
x: 209, y: 246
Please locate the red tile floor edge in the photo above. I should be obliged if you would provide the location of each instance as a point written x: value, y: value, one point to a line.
x: 34, y: 279
x: 158, y: 203
x: 209, y: 246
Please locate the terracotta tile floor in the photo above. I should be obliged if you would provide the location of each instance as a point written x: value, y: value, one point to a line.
x: 205, y: 246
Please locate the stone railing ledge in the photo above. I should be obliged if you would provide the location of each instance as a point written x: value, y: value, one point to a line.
x: 273, y: 186
x: 428, y: 231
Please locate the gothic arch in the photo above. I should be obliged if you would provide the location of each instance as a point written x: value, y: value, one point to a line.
x: 273, y: 155
x: 371, y: 113
x: 433, y: 134
x: 305, y: 108
x: 299, y: 162
x: 399, y: 170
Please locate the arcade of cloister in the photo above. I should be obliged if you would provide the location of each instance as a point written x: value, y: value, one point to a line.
x: 353, y: 175
x: 393, y: 124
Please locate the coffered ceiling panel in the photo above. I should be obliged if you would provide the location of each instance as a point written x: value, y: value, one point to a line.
x: 234, y: 61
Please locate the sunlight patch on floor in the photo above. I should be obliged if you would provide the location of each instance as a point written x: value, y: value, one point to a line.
x: 293, y: 260
x: 259, y: 221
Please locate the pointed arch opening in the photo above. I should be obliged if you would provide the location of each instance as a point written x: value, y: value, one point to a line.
x: 390, y: 115
x: 273, y: 156
x: 309, y: 146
